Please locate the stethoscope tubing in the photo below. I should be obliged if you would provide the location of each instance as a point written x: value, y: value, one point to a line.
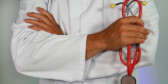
x: 130, y: 66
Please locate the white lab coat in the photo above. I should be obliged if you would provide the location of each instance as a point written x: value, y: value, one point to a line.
x: 60, y: 59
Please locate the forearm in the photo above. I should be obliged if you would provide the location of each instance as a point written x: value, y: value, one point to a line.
x: 95, y: 44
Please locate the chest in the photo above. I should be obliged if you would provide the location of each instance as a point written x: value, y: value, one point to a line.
x: 84, y: 16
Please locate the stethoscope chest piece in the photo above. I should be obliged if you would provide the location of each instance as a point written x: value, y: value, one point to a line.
x: 128, y: 80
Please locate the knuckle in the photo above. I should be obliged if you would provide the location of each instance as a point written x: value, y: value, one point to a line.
x: 121, y: 33
x: 40, y: 15
x: 42, y: 10
x: 138, y: 19
x: 44, y: 16
x: 121, y: 20
x: 139, y: 29
x: 123, y: 45
x: 144, y: 30
x: 147, y: 31
x: 142, y: 36
x: 136, y: 41
x: 37, y: 21
x: 122, y: 42
x: 145, y: 37
x: 139, y: 35
x: 141, y: 41
x: 34, y: 14
x: 135, y: 17
x: 32, y: 26
x: 26, y: 20
x: 49, y: 13
x: 122, y: 26
x: 142, y: 21
x: 122, y: 39
x: 136, y: 35
x: 29, y: 20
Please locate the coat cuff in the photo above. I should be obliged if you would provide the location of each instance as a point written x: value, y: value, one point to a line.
x: 84, y: 65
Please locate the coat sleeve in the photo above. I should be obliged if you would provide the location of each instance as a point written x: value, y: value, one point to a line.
x: 151, y: 19
x: 44, y: 55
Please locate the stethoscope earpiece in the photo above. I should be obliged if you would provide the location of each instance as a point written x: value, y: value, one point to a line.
x: 112, y: 5
x: 144, y: 3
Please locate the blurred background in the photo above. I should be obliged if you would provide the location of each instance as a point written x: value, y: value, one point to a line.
x: 156, y: 74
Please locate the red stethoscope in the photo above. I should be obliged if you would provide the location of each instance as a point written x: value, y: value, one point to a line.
x: 130, y: 66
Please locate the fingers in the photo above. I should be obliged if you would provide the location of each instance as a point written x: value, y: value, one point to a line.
x: 136, y: 28
x: 39, y: 16
x: 36, y: 22
x: 37, y: 28
x: 44, y: 12
x: 45, y: 16
x: 134, y: 41
x: 132, y: 20
x: 131, y: 41
x: 131, y: 34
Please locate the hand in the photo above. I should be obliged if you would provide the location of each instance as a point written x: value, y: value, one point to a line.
x: 129, y: 30
x: 45, y: 21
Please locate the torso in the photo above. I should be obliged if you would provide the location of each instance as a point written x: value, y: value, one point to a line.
x: 86, y: 17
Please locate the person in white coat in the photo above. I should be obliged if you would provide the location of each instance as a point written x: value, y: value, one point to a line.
x: 77, y: 41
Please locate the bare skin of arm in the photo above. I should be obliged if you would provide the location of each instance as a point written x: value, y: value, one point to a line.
x: 129, y: 30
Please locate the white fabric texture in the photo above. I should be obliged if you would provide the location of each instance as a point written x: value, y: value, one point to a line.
x: 60, y: 59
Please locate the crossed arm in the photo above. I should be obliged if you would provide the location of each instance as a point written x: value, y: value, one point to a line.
x: 119, y: 34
